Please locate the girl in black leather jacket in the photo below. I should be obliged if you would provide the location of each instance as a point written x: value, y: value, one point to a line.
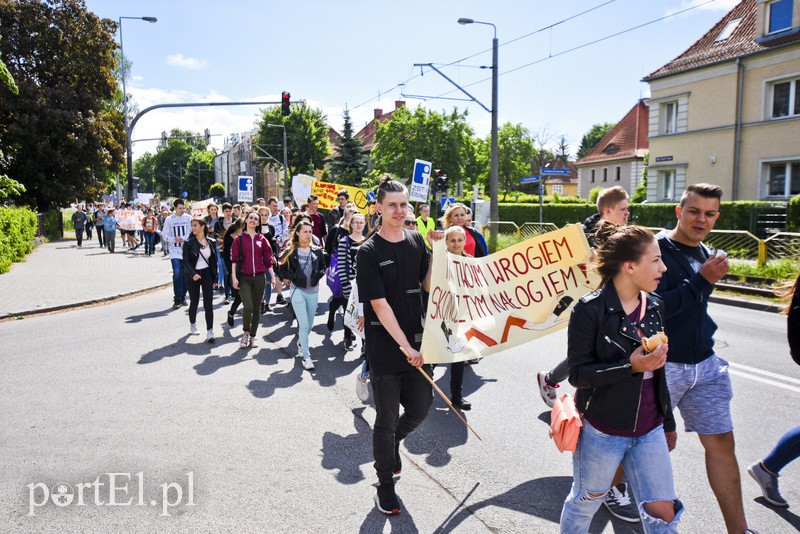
x: 621, y: 389
x: 200, y: 270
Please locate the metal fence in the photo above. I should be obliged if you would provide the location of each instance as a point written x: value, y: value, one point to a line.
x: 738, y: 244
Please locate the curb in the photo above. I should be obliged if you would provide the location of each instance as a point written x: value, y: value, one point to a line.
x: 746, y: 303
x: 62, y: 307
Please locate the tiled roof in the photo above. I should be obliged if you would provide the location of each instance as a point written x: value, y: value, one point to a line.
x: 626, y: 140
x: 367, y: 133
x: 707, y: 50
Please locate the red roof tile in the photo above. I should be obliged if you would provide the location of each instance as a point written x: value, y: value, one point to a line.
x: 707, y: 50
x: 626, y: 140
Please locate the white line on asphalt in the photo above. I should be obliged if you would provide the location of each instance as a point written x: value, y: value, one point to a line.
x: 763, y: 380
x: 765, y: 373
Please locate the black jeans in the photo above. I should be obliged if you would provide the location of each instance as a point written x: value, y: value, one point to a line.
x: 410, y: 389
x: 207, y: 283
x: 101, y: 235
x: 456, y: 379
x: 79, y: 235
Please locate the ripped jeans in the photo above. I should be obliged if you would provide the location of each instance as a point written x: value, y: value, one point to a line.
x: 647, y: 468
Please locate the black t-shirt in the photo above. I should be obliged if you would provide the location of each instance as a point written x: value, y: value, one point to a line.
x: 696, y: 256
x: 393, y: 271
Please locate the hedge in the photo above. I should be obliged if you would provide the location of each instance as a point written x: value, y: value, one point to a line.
x: 738, y: 215
x: 17, y: 231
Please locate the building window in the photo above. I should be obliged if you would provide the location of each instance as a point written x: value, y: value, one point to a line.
x: 618, y: 173
x: 669, y: 123
x: 592, y: 180
x: 783, y: 179
x: 779, y: 16
x: 605, y: 174
x: 666, y: 182
x: 785, y: 98
x: 558, y: 188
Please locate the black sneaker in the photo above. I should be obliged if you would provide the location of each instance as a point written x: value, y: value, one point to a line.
x: 461, y: 404
x: 264, y: 307
x: 386, y: 499
x: 184, y: 303
x: 398, y: 461
x: 230, y: 319
x: 279, y: 299
x: 619, y: 504
x: 349, y: 345
x: 176, y: 305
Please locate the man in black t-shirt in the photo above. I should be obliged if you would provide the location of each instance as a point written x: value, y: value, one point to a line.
x: 393, y: 268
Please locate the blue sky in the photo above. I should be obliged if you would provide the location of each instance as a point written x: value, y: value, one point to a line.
x: 354, y: 53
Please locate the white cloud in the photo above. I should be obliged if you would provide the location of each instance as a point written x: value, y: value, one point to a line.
x: 191, y: 63
x: 704, y: 5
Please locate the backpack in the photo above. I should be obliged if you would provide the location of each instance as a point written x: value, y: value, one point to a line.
x: 332, y: 274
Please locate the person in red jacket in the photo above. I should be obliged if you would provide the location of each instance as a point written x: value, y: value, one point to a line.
x: 251, y: 259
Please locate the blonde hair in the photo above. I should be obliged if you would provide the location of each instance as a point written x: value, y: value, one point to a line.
x: 454, y: 230
x: 448, y: 215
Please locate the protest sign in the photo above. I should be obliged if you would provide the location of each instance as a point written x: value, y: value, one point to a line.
x: 304, y: 185
x: 481, y: 306
x: 129, y: 219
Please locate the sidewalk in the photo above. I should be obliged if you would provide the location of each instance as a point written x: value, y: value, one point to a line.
x: 59, y: 275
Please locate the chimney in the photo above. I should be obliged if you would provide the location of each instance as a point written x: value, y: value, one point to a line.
x: 378, y: 113
x: 399, y: 104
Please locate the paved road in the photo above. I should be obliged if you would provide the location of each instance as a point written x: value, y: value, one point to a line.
x: 272, y: 448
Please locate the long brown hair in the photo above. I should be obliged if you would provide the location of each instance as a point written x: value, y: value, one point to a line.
x: 294, y: 240
x: 625, y: 243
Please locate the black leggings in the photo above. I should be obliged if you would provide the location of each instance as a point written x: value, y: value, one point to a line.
x: 207, y: 283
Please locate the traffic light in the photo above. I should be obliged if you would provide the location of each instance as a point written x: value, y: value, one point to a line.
x: 439, y: 180
x: 207, y: 136
x: 163, y: 140
x: 285, y: 100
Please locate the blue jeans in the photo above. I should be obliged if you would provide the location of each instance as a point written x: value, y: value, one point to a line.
x: 178, y: 282
x: 224, y: 275
x: 149, y: 242
x: 268, y: 288
x: 787, y: 450
x: 647, y: 467
x: 305, y: 308
x: 221, y: 270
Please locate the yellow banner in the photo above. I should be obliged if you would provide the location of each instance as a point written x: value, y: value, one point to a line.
x: 480, y: 306
x: 327, y: 195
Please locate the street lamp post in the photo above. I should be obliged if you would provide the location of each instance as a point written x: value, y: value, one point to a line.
x: 128, y: 150
x: 494, y: 208
x: 285, y: 158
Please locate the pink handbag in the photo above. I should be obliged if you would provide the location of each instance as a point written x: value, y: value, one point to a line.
x: 565, y: 423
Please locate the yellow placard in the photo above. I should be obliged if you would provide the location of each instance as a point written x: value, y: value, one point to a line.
x: 327, y: 195
x: 481, y: 306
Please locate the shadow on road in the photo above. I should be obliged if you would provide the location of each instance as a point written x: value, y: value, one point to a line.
x: 150, y: 315
x: 784, y: 513
x: 346, y: 454
x: 263, y: 389
x: 181, y: 347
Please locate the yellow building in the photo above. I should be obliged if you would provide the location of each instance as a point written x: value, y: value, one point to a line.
x: 727, y: 110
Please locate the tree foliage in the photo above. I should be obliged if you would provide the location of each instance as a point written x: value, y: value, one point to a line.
x: 348, y: 165
x: 443, y: 139
x: 59, y: 129
x: 175, y: 168
x: 306, y: 132
x: 593, y: 136
x: 216, y: 190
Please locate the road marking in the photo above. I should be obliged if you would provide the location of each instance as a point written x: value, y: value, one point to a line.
x: 763, y: 380
x: 765, y: 373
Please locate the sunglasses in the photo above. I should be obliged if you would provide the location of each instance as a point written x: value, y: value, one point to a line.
x: 409, y: 223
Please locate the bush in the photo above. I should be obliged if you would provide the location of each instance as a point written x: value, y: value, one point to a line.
x: 593, y: 194
x: 216, y: 190
x: 793, y: 214
x: 558, y: 214
x: 17, y: 231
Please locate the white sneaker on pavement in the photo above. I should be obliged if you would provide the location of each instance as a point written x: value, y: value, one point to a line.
x: 210, y: 337
x: 619, y: 504
x: 308, y: 364
x: 548, y: 392
x: 193, y: 330
x: 244, y: 341
x: 362, y: 390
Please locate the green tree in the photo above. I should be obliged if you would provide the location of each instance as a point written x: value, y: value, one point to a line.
x: 306, y: 132
x: 8, y: 187
x: 59, y: 131
x: 592, y: 137
x: 516, y: 152
x: 199, y: 172
x: 348, y: 165
x: 443, y: 139
x: 216, y: 190
x: 640, y: 193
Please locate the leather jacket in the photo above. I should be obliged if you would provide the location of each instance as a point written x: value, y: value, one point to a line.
x: 601, y: 339
x: 191, y: 251
x: 291, y: 270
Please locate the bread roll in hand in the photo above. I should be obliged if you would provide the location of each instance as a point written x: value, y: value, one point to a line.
x: 650, y: 343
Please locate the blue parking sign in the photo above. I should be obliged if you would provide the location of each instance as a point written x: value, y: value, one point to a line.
x: 245, y: 189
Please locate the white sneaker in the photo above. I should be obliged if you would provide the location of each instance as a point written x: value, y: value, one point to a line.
x: 193, y: 330
x: 244, y: 341
x: 308, y: 364
x: 362, y: 390
x: 253, y: 342
x: 210, y: 337
x: 548, y: 392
